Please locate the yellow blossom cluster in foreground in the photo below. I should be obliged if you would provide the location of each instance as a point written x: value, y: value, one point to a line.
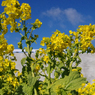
x: 87, y: 89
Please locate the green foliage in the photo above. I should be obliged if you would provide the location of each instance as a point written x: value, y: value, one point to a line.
x: 23, y: 61
x: 69, y: 83
x: 29, y: 87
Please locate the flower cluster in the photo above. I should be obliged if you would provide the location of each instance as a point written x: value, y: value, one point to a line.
x: 87, y: 89
x: 6, y: 68
x: 14, y: 11
x: 57, y: 42
x: 38, y: 23
x: 26, y: 9
x: 84, y: 35
x: 3, y: 44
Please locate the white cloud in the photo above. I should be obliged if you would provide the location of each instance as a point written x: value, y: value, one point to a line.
x: 55, y: 13
x: 69, y: 14
x: 73, y: 16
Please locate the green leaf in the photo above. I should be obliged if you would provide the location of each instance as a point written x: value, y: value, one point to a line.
x: 64, y: 92
x: 65, y: 72
x: 31, y: 80
x: 31, y: 48
x: 26, y: 49
x: 32, y: 40
x: 1, y: 92
x: 34, y: 26
x: 27, y: 41
x: 28, y: 88
x: 37, y: 54
x: 28, y: 59
x: 35, y: 42
x: 22, y: 38
x: 71, y: 82
x: 23, y: 61
x: 53, y: 93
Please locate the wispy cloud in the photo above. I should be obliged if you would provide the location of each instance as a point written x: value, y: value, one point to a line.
x: 55, y: 13
x: 50, y: 24
x: 73, y: 16
x: 70, y: 14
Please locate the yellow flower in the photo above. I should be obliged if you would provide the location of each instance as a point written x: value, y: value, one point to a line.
x: 12, y: 54
x: 1, y: 69
x: 74, y: 33
x: 26, y: 9
x: 15, y: 71
x: 7, y: 64
x: 81, y: 75
x: 74, y: 69
x: 6, y: 60
x: 20, y: 20
x: 3, y: 3
x: 10, y: 48
x: 9, y: 79
x: 80, y: 90
x: 76, y: 41
x: 1, y: 58
x: 46, y: 59
x: 93, y: 93
x: 56, y: 32
x: 19, y: 24
x: 43, y: 38
x: 37, y: 68
x: 83, y: 84
x: 19, y: 73
x: 32, y: 58
x: 42, y: 43
x: 13, y: 65
x: 48, y: 50
x: 40, y: 48
x: 92, y: 51
x: 40, y: 87
x: 39, y: 23
x: 0, y: 77
x: 15, y: 82
x: 70, y: 32
x: 93, y: 80
x: 21, y: 80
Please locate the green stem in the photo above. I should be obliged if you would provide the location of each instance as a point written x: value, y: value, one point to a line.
x: 72, y: 62
x: 32, y: 72
x: 20, y: 34
x: 28, y: 45
x: 35, y: 91
x: 25, y: 53
x: 30, y: 34
x: 49, y: 76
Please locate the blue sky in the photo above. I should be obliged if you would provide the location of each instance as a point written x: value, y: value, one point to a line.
x: 63, y: 15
